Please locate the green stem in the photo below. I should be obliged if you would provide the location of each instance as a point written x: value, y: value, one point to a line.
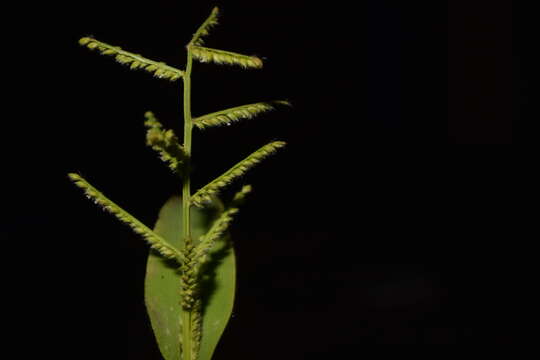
x: 186, y: 198
x: 188, y: 126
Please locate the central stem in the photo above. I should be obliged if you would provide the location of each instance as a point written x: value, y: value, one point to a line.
x: 186, y: 198
x: 188, y: 126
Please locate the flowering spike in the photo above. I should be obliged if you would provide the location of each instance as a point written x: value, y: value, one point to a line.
x: 203, y: 30
x: 228, y: 116
x: 217, y: 230
x: 165, y: 142
x: 205, y: 193
x: 204, y: 54
x: 156, y: 241
x: 220, y: 225
x: 134, y: 61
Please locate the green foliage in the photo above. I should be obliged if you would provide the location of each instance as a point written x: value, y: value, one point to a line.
x: 191, y: 271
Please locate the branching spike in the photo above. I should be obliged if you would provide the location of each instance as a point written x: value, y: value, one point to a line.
x: 204, y: 54
x: 134, y: 61
x: 206, y: 192
x: 228, y: 116
x: 156, y: 241
x: 165, y: 142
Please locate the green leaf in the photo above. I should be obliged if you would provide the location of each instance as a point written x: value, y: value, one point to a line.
x: 162, y: 286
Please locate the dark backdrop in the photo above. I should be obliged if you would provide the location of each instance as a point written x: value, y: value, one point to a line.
x: 364, y: 230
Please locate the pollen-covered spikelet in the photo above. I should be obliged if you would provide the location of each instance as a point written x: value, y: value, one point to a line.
x: 134, y: 61
x: 205, y: 193
x: 228, y: 116
x: 156, y: 241
x: 165, y: 142
x: 204, y: 54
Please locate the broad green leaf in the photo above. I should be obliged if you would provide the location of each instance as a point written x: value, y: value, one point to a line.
x: 162, y: 286
x: 218, y: 287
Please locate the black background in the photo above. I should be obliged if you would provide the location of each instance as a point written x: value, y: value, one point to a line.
x: 364, y: 230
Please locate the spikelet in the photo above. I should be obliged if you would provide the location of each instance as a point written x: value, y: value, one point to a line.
x: 156, y: 241
x: 134, y: 61
x: 205, y: 194
x: 204, y: 54
x: 228, y: 116
x: 165, y: 142
x: 240, y: 196
x: 203, y: 30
